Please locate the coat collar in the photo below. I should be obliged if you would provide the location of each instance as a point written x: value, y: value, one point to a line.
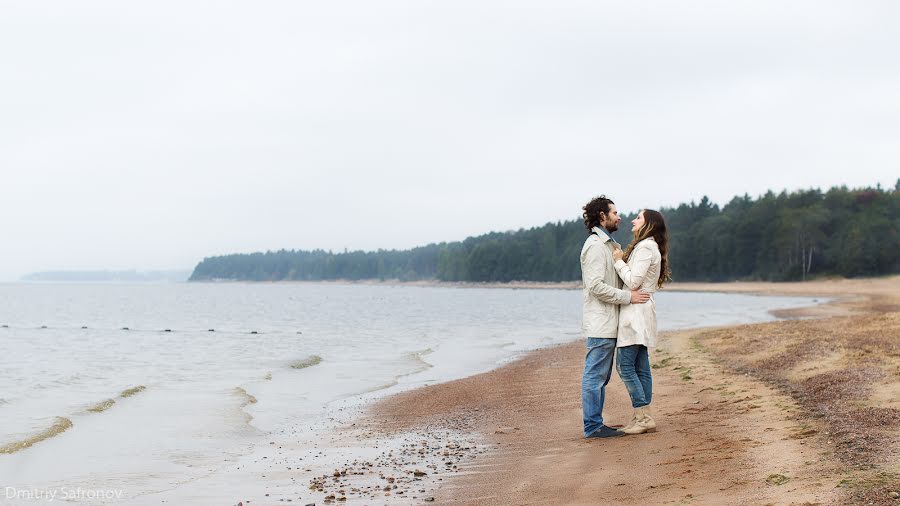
x: 602, y: 234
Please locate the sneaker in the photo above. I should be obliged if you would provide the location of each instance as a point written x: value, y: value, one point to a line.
x: 605, y: 431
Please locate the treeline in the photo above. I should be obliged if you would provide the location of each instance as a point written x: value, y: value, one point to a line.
x: 785, y: 236
x: 291, y: 265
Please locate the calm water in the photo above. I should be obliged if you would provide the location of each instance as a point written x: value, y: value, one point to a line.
x: 240, y: 361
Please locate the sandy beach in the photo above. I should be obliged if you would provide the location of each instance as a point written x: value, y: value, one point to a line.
x: 805, y: 410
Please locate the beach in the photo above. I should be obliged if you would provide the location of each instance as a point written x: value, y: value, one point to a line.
x: 798, y: 411
x: 435, y: 394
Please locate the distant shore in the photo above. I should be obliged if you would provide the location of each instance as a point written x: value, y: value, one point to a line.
x: 824, y: 287
x: 751, y: 414
x: 549, y: 285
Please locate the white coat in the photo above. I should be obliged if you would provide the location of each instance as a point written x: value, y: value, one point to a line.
x: 637, y: 322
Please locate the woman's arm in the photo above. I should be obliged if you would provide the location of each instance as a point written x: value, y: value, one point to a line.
x: 633, y: 276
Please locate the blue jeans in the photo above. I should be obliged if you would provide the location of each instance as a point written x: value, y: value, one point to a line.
x: 597, y: 370
x: 633, y: 364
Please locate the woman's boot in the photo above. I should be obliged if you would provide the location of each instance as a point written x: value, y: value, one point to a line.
x: 634, y: 420
x: 636, y: 426
x: 643, y: 423
x: 646, y: 419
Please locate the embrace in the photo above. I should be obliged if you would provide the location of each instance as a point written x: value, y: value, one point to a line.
x: 616, y: 320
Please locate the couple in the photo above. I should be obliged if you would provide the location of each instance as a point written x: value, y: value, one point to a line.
x: 642, y: 268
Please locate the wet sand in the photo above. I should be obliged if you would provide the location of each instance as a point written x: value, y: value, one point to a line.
x: 799, y: 411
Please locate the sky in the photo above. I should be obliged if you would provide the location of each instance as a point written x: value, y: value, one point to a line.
x: 150, y: 135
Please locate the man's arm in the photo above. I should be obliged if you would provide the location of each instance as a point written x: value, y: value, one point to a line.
x: 594, y: 266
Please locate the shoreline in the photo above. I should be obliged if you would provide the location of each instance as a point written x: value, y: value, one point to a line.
x: 812, y: 287
x: 425, y: 283
x: 705, y: 404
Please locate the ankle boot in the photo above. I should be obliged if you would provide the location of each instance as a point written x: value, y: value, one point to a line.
x: 644, y: 423
x: 647, y: 419
x: 634, y: 419
x: 636, y: 426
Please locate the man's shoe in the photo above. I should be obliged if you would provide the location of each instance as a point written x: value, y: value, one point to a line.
x: 605, y: 431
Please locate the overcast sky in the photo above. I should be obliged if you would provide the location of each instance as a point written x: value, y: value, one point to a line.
x: 149, y: 135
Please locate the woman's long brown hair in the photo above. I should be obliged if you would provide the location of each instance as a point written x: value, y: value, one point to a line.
x: 655, y: 227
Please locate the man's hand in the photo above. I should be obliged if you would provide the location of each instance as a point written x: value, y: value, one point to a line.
x: 618, y: 254
x: 639, y: 297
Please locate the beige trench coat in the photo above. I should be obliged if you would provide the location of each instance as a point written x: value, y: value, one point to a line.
x: 602, y: 293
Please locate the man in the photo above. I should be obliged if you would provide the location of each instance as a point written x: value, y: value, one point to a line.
x: 602, y: 295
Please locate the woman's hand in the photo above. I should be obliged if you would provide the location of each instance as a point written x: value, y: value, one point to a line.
x: 618, y: 254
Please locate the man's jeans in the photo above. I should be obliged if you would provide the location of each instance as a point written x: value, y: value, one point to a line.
x: 633, y: 364
x: 597, y: 370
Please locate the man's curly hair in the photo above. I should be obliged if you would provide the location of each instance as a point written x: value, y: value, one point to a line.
x: 593, y: 209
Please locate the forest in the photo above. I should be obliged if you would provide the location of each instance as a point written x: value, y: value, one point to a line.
x: 773, y: 237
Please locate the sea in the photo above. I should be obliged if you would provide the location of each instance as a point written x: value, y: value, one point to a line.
x: 141, y: 389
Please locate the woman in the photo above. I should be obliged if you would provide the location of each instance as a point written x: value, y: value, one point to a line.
x: 642, y: 266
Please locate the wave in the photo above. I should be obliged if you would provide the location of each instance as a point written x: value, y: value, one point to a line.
x: 128, y: 392
x: 307, y: 362
x: 248, y: 399
x: 102, y: 406
x: 418, y: 358
x: 61, y: 425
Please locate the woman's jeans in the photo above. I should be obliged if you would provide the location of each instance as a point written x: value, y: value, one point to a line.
x: 633, y: 365
x: 598, y: 364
